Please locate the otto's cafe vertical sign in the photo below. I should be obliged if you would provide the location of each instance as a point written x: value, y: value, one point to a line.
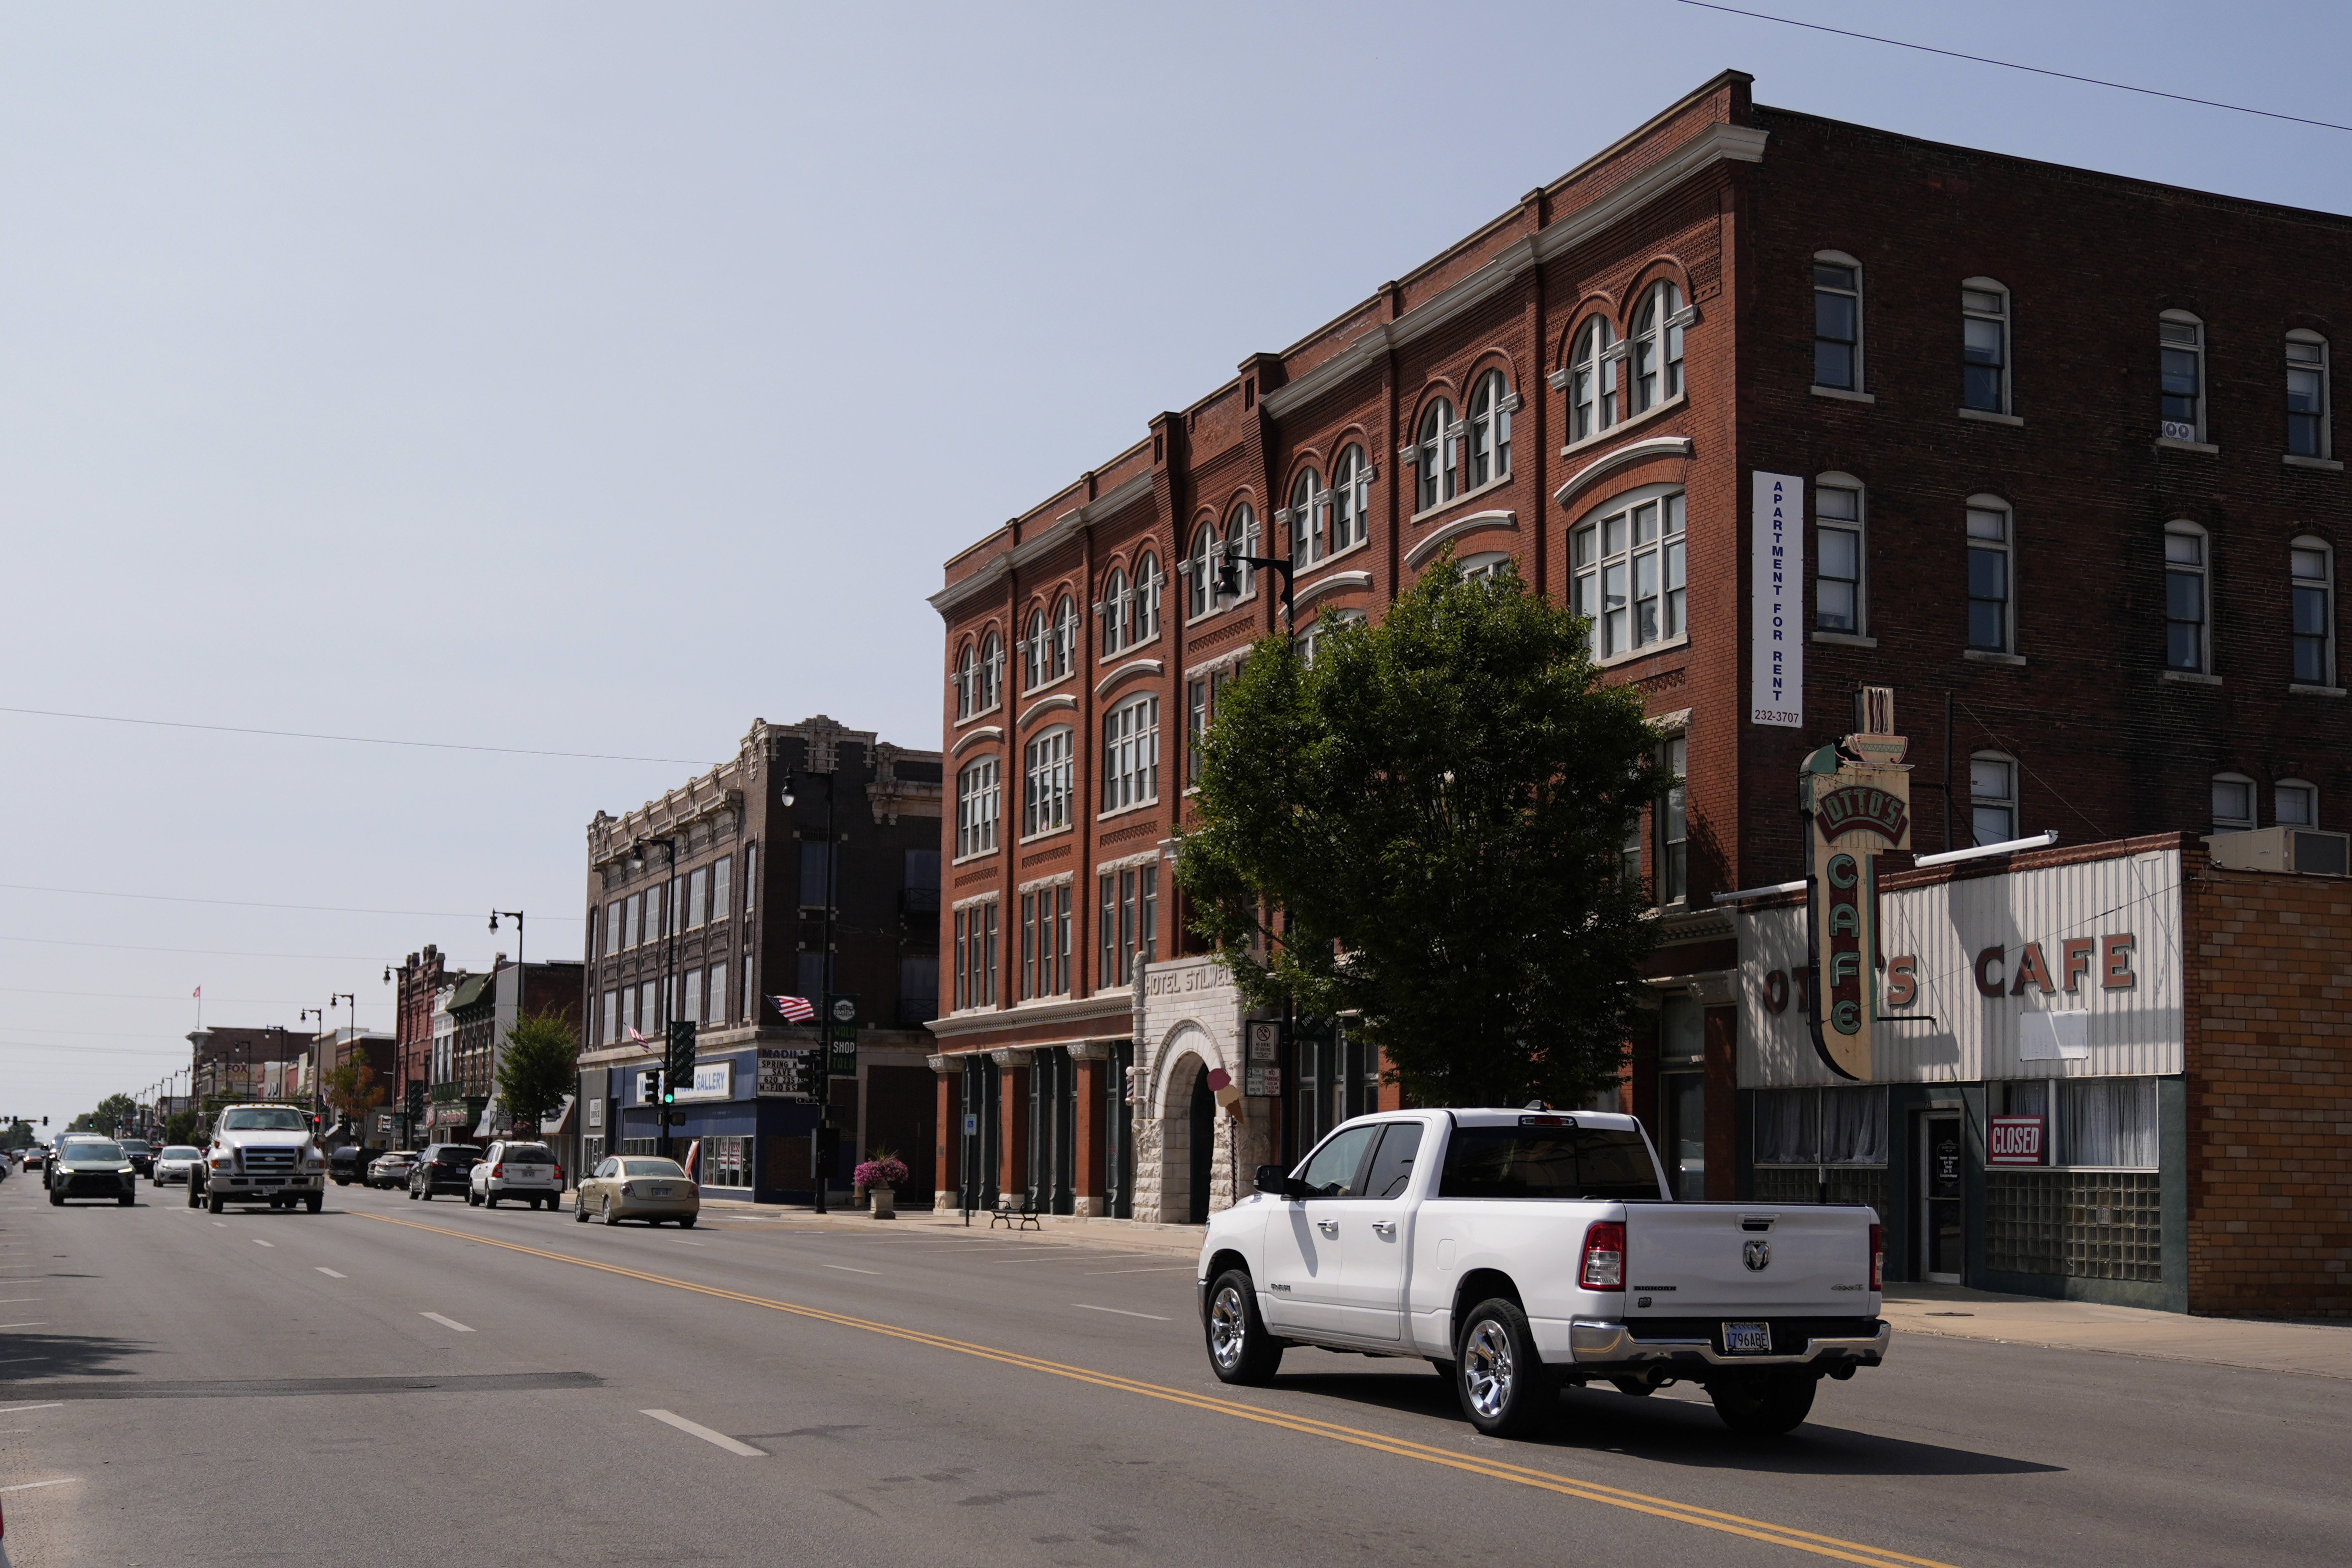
x: 1858, y: 795
x: 1776, y: 660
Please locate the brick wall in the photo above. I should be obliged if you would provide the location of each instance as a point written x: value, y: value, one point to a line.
x: 2269, y: 977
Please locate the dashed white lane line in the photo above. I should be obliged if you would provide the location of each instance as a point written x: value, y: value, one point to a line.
x: 16, y: 1300
x: 1155, y: 1268
x: 1121, y: 1312
x: 36, y: 1323
x: 220, y: 1225
x: 14, y: 1409
x: 34, y: 1486
x: 717, y: 1439
x: 258, y: 1242
x: 845, y: 1268
x: 683, y: 1242
x: 331, y: 1274
x: 450, y: 1324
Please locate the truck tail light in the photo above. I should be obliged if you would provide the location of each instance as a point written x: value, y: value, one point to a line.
x: 499, y: 1171
x: 1604, y: 1267
x: 559, y: 1175
x: 1878, y: 1258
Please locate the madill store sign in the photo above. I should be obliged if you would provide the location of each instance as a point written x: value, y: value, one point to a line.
x: 2069, y: 970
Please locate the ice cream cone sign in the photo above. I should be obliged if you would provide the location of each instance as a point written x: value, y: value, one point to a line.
x: 1228, y: 1092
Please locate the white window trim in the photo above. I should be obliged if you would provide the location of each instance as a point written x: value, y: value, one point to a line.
x: 2016, y: 802
x: 1625, y: 500
x: 2197, y: 441
x: 1860, y: 392
x: 1655, y: 290
x: 1845, y: 481
x: 2254, y: 799
x: 2182, y: 528
x: 1506, y: 403
x: 2293, y: 782
x: 2007, y: 413
x: 2332, y: 652
x: 2326, y: 452
x: 1679, y: 400
x: 2007, y: 653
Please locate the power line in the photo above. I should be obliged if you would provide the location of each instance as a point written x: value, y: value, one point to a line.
x: 198, y: 952
x: 352, y: 739
x: 94, y: 1050
x: 2012, y: 65
x: 148, y: 996
x: 250, y: 904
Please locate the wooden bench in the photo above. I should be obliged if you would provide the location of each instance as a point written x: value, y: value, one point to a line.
x: 1016, y: 1211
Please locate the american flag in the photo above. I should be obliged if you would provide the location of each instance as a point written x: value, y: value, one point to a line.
x: 795, y: 1009
x: 636, y: 1037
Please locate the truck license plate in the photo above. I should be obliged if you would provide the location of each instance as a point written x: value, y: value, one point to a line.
x: 1747, y: 1338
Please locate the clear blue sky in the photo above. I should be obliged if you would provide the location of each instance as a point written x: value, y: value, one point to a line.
x: 596, y: 377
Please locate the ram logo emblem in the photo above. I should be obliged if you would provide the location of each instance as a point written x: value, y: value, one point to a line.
x: 1757, y: 1255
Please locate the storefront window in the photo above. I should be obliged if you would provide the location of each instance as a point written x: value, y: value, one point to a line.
x: 1681, y: 1097
x: 1821, y: 1126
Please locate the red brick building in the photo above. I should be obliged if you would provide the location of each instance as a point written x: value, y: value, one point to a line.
x: 2057, y: 454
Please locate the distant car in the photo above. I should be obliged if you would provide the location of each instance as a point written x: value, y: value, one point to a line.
x: 391, y: 1170
x: 441, y: 1168
x: 172, y: 1163
x: 524, y: 1172
x: 638, y: 1186
x: 348, y: 1164
x: 142, y: 1152
x: 35, y: 1158
x: 94, y: 1168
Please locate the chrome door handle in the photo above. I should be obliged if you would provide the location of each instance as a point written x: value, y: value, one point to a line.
x: 1385, y: 1227
x: 1328, y: 1226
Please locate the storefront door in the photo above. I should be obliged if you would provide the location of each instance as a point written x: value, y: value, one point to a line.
x: 1942, y: 1245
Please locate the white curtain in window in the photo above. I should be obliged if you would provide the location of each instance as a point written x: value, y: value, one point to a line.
x: 1821, y: 1126
x: 2108, y: 1121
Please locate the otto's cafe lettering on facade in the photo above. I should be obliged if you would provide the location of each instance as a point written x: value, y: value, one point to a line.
x: 2110, y: 956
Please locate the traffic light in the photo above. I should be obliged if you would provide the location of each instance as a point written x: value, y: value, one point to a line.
x: 680, y: 1065
x: 416, y: 1101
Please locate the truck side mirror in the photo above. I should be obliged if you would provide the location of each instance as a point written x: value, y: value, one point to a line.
x: 1268, y: 1178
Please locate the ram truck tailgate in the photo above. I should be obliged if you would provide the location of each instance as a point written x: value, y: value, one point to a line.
x: 1685, y: 1261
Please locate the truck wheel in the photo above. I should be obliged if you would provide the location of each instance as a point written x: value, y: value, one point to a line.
x: 317, y: 1201
x: 214, y: 1202
x: 1506, y: 1389
x: 1763, y: 1404
x: 193, y: 1200
x: 1241, y: 1350
x: 490, y: 1200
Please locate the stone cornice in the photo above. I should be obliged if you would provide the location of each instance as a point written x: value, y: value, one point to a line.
x: 1132, y: 667
x: 1116, y: 1004
x: 994, y: 570
x: 973, y: 738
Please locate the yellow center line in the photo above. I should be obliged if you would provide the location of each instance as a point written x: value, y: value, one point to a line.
x: 1545, y: 1481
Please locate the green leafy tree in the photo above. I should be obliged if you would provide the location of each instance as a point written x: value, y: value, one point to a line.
x: 352, y: 1088
x: 183, y: 1127
x: 18, y: 1136
x: 115, y: 1111
x: 537, y: 1069
x: 1423, y: 826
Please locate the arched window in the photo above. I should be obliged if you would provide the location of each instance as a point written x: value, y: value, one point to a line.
x: 2311, y: 583
x: 1306, y: 508
x: 1113, y: 611
x: 1350, y: 503
x: 991, y: 673
x: 1592, y: 381
x: 2180, y: 350
x: 1436, y: 454
x: 1066, y: 636
x: 2306, y: 394
x: 1838, y: 604
x: 1991, y: 623
x: 2233, y: 803
x: 1628, y: 574
x: 1490, y: 429
x: 966, y: 681
x: 1992, y: 796
x: 1984, y: 346
x: 1143, y: 608
x: 2296, y: 804
x: 2185, y: 614
x: 977, y: 800
x: 1484, y: 567
x: 1657, y: 347
x: 1036, y: 653
x: 1242, y: 539
x: 1202, y: 568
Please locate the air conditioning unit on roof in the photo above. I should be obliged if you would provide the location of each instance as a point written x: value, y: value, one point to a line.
x: 2303, y: 851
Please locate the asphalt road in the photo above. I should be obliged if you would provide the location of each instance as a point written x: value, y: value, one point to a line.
x: 375, y: 1386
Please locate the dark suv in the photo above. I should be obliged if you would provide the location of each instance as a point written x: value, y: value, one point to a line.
x: 441, y: 1168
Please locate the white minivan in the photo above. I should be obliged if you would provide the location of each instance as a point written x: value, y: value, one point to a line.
x: 513, y: 1170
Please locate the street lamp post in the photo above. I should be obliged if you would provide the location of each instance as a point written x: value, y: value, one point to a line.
x: 824, y: 1001
x: 523, y: 983
x: 670, y: 962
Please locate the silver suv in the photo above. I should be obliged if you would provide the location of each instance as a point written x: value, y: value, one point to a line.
x: 515, y: 1169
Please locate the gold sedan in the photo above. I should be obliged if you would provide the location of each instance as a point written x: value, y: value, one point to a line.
x: 638, y: 1186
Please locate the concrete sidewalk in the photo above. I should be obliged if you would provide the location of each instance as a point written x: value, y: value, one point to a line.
x: 2310, y: 1348
x: 1950, y: 1312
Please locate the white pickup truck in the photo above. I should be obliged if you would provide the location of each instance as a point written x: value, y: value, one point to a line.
x: 260, y: 1154
x: 1523, y: 1250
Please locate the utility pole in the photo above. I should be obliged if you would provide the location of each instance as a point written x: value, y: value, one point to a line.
x: 823, y: 1143
x: 669, y: 960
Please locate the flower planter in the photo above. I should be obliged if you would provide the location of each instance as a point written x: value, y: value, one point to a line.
x: 885, y: 1201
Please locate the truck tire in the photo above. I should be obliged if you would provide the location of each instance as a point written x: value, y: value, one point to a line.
x: 1504, y: 1387
x: 193, y: 1200
x: 1241, y: 1349
x: 1763, y: 1404
x: 318, y: 1203
x: 214, y: 1202
x: 490, y: 1200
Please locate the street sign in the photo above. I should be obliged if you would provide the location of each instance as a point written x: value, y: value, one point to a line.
x: 841, y: 1035
x: 971, y: 1125
x: 844, y: 1009
x: 1262, y: 1083
x: 786, y: 1074
x: 1265, y: 1040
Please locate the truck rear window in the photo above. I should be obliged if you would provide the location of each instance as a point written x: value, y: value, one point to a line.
x: 1546, y: 1163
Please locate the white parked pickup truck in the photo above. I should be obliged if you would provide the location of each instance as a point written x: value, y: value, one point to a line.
x: 1522, y: 1250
